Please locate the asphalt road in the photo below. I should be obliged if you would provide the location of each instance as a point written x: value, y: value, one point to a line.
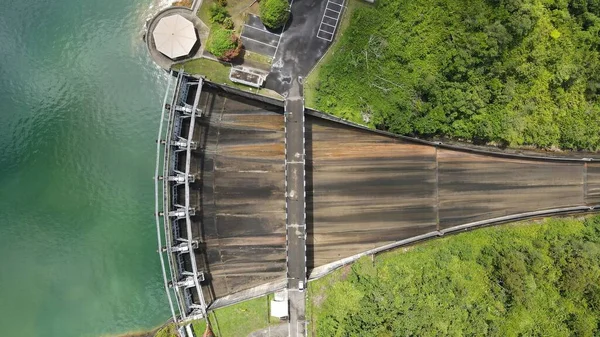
x: 257, y: 38
x: 300, y: 48
x: 295, y: 208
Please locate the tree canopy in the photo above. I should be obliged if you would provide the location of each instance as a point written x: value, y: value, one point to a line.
x: 507, y: 72
x: 533, y: 280
x: 223, y: 43
x: 274, y: 13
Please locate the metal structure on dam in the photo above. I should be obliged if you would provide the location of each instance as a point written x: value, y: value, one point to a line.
x: 221, y: 193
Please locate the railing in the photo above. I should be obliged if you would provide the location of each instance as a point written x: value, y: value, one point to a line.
x: 166, y: 195
x: 187, y: 200
x: 179, y: 279
x: 156, y: 209
x: 323, y: 270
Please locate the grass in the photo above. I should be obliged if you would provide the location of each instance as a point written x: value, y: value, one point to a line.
x: 218, y: 72
x: 168, y: 330
x: 204, y: 13
x: 213, y: 70
x: 241, y: 319
x: 311, y: 80
x: 248, y: 55
x: 237, y: 320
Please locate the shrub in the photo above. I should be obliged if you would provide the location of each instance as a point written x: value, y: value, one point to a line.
x: 228, y: 23
x: 218, y: 14
x: 274, y: 13
x: 222, y: 3
x: 224, y: 44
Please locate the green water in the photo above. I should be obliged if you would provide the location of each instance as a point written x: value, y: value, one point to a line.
x: 79, y: 111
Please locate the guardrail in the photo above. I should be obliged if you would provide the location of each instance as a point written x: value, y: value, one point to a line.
x: 156, y: 208
x: 181, y: 280
x: 166, y: 195
x: 187, y: 201
x: 442, y: 145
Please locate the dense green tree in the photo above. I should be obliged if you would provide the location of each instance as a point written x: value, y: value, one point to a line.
x: 274, y: 13
x: 509, y: 72
x: 218, y: 14
x: 534, y: 280
x: 223, y: 43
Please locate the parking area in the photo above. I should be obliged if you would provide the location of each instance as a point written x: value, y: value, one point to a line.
x: 330, y: 20
x: 258, y: 39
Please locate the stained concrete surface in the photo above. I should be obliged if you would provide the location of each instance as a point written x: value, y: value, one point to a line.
x: 593, y: 184
x: 476, y: 187
x: 240, y: 193
x: 363, y: 190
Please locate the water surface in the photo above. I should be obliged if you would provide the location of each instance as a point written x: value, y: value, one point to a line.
x: 79, y: 109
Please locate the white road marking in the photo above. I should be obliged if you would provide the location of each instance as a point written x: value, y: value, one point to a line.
x: 323, y: 23
x: 262, y: 30
x: 266, y: 44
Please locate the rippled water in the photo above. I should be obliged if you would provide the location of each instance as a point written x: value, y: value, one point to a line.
x: 79, y: 109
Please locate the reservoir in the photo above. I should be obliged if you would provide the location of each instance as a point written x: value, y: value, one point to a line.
x: 79, y: 110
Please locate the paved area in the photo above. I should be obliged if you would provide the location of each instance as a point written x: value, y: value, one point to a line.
x: 295, y: 209
x: 331, y: 19
x: 258, y: 39
x: 196, y: 6
x: 300, y: 49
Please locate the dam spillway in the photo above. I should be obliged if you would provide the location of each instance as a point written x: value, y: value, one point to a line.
x: 364, y: 190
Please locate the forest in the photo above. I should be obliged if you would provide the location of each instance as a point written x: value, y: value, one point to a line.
x: 527, y: 279
x: 499, y: 72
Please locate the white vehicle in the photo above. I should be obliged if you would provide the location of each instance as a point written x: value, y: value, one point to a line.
x: 301, y: 286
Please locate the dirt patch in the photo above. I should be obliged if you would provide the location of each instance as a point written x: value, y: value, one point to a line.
x: 183, y: 3
x: 345, y: 271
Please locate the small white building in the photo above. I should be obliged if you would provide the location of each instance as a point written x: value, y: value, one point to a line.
x: 279, y: 305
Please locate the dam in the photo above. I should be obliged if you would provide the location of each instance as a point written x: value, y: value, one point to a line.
x: 221, y: 192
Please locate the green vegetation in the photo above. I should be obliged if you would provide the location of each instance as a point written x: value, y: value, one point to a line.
x: 312, y: 80
x: 236, y: 9
x: 218, y: 14
x: 215, y: 71
x: 236, y: 320
x: 274, y: 13
x: 256, y: 57
x: 509, y: 72
x: 218, y: 72
x: 168, y: 330
x: 228, y: 23
x: 242, y: 318
x: 534, y: 280
x: 223, y: 43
